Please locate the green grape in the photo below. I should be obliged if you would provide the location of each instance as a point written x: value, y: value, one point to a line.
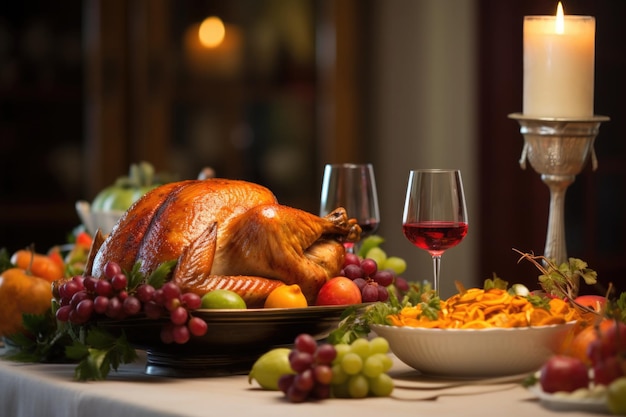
x: 386, y: 361
x: 340, y: 390
x: 358, y: 386
x: 395, y: 263
x: 372, y: 367
x: 351, y: 363
x: 377, y: 254
x: 379, y: 345
x: 339, y: 375
x: 381, y: 386
x: 342, y: 349
x: 368, y: 243
x: 361, y: 347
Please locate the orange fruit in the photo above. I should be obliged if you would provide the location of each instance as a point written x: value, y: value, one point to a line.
x: 580, y: 342
x: 286, y: 296
x: 21, y: 293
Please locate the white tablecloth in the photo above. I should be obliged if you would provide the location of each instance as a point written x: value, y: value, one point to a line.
x: 42, y: 390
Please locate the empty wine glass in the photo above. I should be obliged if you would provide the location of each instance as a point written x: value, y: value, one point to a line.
x: 353, y: 187
x: 435, y: 215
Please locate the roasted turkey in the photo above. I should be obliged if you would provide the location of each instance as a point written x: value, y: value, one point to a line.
x: 227, y: 234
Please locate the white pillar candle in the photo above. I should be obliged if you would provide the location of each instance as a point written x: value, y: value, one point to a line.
x: 559, y: 65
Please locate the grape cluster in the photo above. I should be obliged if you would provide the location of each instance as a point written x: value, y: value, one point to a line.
x: 372, y: 282
x: 83, y: 297
x: 360, y: 369
x: 312, y: 364
x: 606, y: 353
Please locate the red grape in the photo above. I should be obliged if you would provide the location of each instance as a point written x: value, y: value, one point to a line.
x: 320, y: 391
x: 295, y: 395
x: 145, y: 292
x: 384, y: 278
x: 312, y: 364
x: 305, y: 343
x: 79, y: 282
x: 100, y: 304
x: 63, y: 313
x: 179, y: 315
x: 323, y: 374
x: 304, y: 380
x: 111, y: 269
x: 191, y: 300
x: 369, y: 293
x: 114, y: 309
x: 153, y: 310
x: 607, y: 371
x: 401, y: 284
x: 84, y: 309
x: 383, y: 293
x: 90, y: 283
x: 103, y: 287
x: 325, y: 354
x: 285, y: 381
x: 353, y: 271
x: 181, y: 334
x: 119, y: 281
x: 360, y: 282
x: 369, y: 267
x: 197, y: 326
x: 68, y: 289
x: 78, y: 297
x: 172, y: 304
x: 74, y: 318
x: 170, y: 291
x: 158, y: 297
x: 131, y: 306
x: 351, y: 259
x: 300, y: 361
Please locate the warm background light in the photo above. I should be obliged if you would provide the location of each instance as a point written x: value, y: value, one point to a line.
x: 211, y: 32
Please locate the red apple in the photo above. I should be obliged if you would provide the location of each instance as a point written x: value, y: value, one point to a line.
x: 595, y: 302
x: 563, y: 373
x: 338, y: 291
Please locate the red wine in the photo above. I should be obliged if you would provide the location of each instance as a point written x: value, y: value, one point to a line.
x: 368, y: 227
x: 435, y: 236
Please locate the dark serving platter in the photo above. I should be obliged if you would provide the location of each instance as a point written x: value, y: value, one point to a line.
x: 234, y: 341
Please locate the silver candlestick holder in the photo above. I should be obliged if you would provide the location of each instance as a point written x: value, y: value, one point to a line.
x: 557, y: 149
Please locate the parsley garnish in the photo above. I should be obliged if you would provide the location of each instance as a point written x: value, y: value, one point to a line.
x: 355, y: 324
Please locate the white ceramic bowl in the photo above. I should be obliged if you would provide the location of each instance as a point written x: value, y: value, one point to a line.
x: 474, y: 353
x: 97, y: 219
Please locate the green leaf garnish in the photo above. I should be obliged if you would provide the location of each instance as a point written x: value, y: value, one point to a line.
x: 100, y: 353
x: 158, y: 277
x: 495, y: 282
x: 5, y: 260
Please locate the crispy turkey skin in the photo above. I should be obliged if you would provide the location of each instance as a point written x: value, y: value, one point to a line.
x: 228, y: 234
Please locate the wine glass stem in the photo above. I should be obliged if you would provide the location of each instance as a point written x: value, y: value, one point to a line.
x: 436, y: 270
x: 350, y: 247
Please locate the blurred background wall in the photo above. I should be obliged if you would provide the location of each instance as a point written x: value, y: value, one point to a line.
x: 90, y: 87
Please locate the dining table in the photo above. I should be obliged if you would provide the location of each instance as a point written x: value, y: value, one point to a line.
x: 50, y: 390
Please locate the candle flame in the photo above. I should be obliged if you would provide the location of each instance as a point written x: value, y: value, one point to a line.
x: 560, y: 20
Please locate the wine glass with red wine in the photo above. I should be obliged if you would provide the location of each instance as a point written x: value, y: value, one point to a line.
x: 353, y: 187
x: 435, y: 215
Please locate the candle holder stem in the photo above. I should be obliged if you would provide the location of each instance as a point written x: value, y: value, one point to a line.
x: 556, y: 247
x: 557, y: 149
